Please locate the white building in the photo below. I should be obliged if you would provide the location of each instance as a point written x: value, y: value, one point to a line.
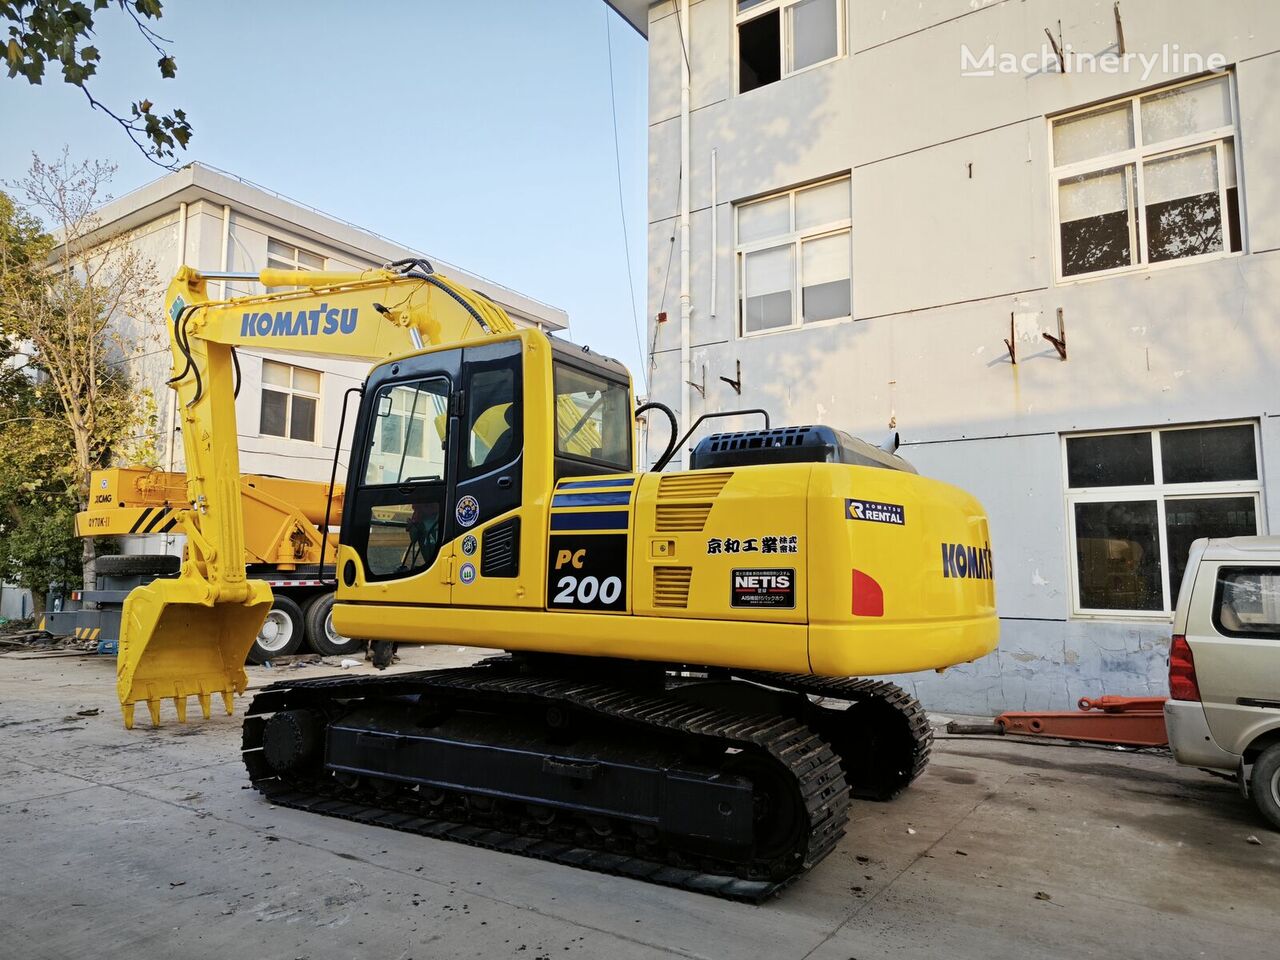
x: 854, y: 205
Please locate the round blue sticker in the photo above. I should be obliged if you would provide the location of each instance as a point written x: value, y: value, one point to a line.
x: 468, y: 511
x: 468, y: 573
x: 469, y: 544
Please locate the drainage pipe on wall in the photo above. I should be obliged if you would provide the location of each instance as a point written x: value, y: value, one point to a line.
x: 686, y: 303
x: 226, y: 243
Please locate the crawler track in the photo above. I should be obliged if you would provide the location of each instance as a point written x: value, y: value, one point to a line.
x: 786, y: 751
x: 883, y: 736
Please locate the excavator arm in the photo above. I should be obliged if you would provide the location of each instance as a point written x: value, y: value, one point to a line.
x: 189, y: 636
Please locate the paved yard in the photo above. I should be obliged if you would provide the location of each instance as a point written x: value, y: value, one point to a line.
x: 150, y: 844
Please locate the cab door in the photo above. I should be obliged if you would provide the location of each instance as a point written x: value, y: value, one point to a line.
x: 400, y: 487
x: 488, y: 523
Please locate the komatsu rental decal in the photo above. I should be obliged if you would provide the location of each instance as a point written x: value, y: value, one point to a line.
x: 971, y: 563
x: 323, y: 322
x: 875, y: 511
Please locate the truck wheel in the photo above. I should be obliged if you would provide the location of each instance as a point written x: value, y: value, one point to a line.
x: 281, y: 632
x: 132, y: 565
x: 322, y: 636
x: 1264, y: 784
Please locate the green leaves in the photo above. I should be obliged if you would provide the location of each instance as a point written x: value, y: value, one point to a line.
x: 44, y: 32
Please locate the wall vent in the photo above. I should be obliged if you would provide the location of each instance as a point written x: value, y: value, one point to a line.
x: 671, y: 586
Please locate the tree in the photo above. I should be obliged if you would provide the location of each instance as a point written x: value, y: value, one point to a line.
x: 77, y: 316
x: 42, y: 32
x: 37, y: 542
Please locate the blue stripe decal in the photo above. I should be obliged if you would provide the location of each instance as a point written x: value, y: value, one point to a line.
x: 591, y: 499
x: 601, y: 520
x: 578, y: 484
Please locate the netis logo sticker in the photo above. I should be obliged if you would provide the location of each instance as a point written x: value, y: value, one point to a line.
x: 966, y: 562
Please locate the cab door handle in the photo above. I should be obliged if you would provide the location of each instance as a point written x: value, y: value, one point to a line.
x: 504, y: 483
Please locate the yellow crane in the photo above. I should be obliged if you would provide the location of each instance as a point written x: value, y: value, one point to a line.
x: 679, y: 701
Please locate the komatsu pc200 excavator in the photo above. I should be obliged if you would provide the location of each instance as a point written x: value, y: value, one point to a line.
x: 677, y: 701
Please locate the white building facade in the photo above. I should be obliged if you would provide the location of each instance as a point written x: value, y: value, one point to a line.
x: 889, y: 207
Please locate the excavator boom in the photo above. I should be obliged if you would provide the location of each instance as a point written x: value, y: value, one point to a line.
x: 188, y: 636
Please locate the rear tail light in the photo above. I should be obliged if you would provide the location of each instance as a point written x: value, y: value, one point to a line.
x: 868, y: 596
x: 1182, y: 671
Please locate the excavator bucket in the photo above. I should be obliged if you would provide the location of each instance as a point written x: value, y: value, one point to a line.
x: 175, y: 642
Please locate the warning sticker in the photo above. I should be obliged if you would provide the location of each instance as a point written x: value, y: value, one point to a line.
x: 760, y: 587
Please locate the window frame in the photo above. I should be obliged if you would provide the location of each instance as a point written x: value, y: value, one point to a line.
x: 795, y: 239
x: 784, y: 38
x: 295, y: 263
x: 1161, y: 493
x: 1138, y: 155
x: 317, y: 438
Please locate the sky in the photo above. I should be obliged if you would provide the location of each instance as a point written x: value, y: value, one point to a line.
x: 480, y: 132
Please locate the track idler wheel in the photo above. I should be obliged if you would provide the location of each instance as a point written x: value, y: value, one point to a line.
x: 880, y: 747
x: 292, y: 740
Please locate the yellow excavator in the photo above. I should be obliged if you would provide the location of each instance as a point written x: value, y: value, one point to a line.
x: 679, y: 698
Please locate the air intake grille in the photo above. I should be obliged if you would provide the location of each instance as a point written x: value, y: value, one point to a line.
x: 500, y: 549
x: 681, y: 486
x: 671, y: 586
x: 756, y: 439
x: 681, y: 517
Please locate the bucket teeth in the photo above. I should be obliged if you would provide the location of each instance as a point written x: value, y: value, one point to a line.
x: 127, y: 710
x: 228, y: 702
x: 205, y: 703
x: 180, y: 704
x: 153, y: 708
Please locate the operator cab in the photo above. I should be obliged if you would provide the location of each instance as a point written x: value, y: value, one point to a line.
x: 439, y: 447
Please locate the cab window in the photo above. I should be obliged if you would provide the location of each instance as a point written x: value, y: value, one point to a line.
x: 400, y: 505
x: 407, y: 441
x: 593, y: 418
x: 492, y: 419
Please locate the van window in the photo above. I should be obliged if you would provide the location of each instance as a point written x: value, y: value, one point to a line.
x: 1247, y: 602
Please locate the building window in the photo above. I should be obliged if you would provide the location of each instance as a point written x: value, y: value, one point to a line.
x: 1137, y: 500
x: 777, y: 38
x: 290, y: 399
x: 286, y: 256
x: 795, y: 258
x: 1147, y: 179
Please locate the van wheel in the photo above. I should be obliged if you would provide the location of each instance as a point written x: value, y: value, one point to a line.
x: 1264, y: 784
x: 322, y: 636
x: 281, y: 632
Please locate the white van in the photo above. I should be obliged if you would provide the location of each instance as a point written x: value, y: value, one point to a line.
x: 1223, y: 711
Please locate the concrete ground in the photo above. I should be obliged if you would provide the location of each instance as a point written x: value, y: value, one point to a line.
x: 147, y: 843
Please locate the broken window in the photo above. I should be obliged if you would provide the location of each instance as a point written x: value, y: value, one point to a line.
x: 795, y: 253
x: 1138, y: 500
x: 1150, y: 179
x: 779, y: 37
